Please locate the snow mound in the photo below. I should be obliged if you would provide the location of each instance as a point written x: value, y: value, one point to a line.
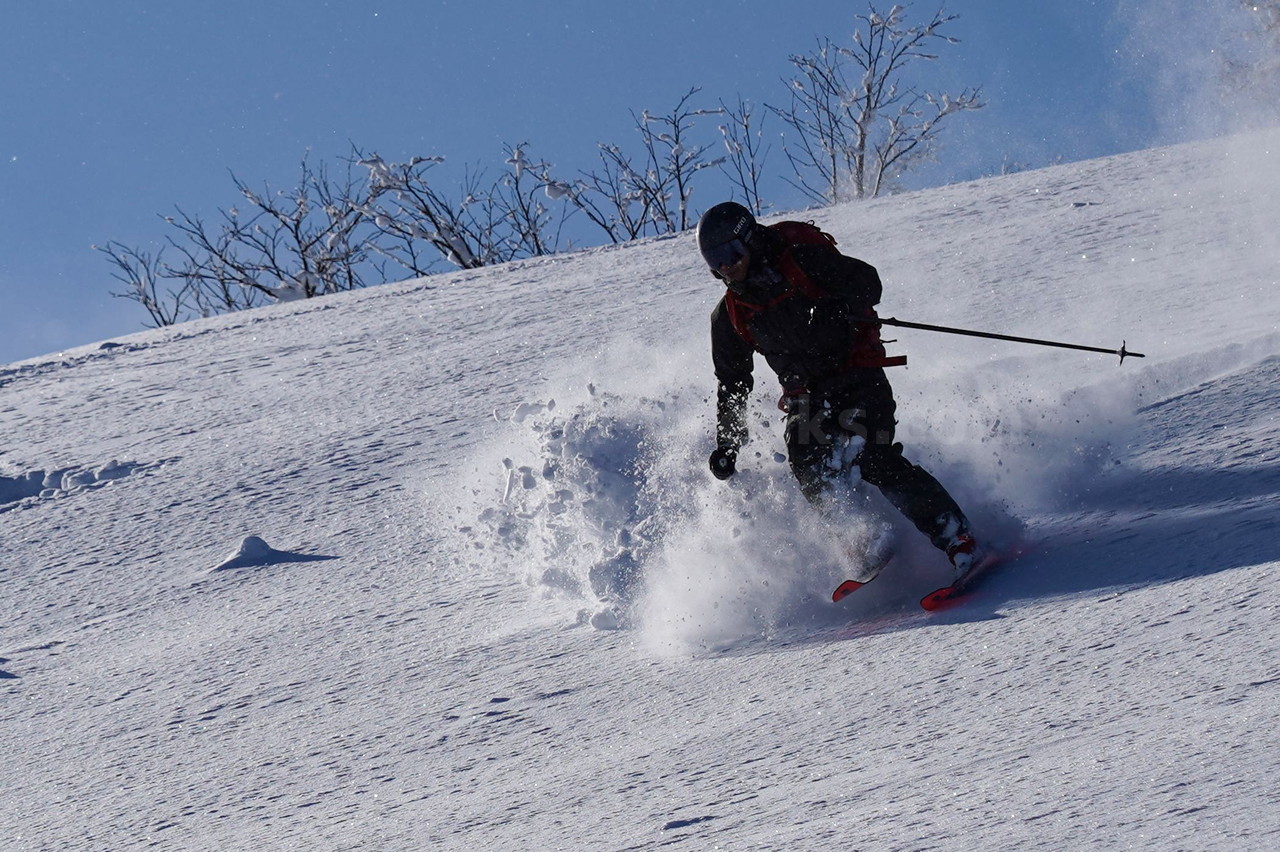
x: 254, y: 552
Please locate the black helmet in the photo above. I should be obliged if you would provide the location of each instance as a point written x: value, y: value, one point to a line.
x: 724, y: 233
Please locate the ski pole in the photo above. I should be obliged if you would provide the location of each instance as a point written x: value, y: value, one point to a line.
x: 1123, y: 351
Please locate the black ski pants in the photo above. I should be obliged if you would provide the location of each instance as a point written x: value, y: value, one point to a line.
x: 820, y: 424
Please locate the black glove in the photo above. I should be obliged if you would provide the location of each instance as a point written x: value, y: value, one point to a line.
x: 724, y: 462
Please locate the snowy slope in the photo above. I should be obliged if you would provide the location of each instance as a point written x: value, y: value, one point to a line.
x: 443, y: 467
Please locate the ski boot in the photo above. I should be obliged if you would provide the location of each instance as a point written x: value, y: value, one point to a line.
x: 964, y: 553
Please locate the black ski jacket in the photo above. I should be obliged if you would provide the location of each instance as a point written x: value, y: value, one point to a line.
x: 806, y: 341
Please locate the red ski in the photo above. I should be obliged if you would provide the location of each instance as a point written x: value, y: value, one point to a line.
x: 868, y: 573
x: 845, y: 589
x: 951, y: 595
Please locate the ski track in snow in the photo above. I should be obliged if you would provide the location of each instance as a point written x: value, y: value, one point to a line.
x: 452, y: 473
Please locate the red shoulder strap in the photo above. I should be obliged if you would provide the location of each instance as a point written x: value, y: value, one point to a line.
x: 800, y: 234
x: 739, y: 316
x: 792, y: 234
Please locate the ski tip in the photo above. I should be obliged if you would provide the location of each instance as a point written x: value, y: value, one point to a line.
x: 845, y: 589
x: 939, y: 599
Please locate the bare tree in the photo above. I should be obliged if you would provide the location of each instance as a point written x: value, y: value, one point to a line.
x: 606, y: 197
x: 744, y: 160
x: 419, y: 225
x: 300, y: 243
x: 856, y: 131
x: 627, y: 200
x: 616, y: 198
x: 308, y: 241
x: 409, y: 213
x: 212, y: 272
x: 143, y: 275
x: 672, y: 162
x: 534, y: 229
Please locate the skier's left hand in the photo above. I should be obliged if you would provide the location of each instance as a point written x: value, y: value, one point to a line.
x: 724, y: 462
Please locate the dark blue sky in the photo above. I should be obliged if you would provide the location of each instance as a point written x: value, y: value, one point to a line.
x: 114, y: 112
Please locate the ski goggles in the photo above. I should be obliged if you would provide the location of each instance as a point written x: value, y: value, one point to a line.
x: 725, y: 254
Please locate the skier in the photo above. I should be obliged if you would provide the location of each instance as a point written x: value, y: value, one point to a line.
x: 809, y: 310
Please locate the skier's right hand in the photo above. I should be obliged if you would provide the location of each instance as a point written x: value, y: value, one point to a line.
x: 724, y: 462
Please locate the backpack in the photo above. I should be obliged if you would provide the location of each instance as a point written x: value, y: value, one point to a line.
x: 865, y: 349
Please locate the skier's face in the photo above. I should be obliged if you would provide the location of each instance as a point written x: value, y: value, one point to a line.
x: 736, y: 272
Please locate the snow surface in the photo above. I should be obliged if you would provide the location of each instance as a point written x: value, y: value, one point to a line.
x: 411, y: 491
